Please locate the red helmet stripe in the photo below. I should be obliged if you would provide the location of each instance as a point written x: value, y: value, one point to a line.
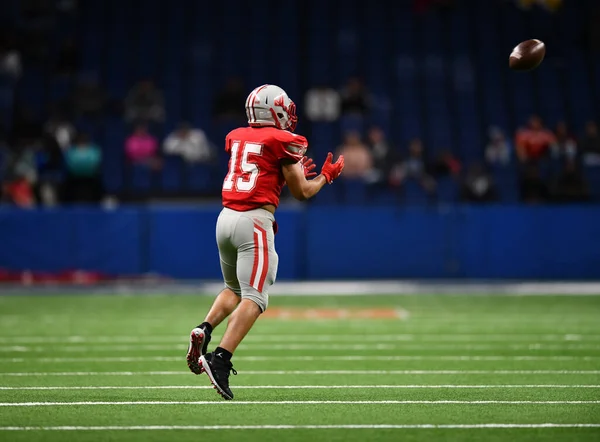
x: 252, y: 100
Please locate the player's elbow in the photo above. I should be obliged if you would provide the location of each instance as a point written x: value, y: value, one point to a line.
x: 300, y: 193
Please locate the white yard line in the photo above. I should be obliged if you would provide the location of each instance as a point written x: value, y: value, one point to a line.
x: 87, y: 348
x: 307, y: 358
x: 309, y: 387
x: 339, y: 288
x: 310, y: 372
x: 255, y: 403
x: 299, y: 427
x: 302, y: 338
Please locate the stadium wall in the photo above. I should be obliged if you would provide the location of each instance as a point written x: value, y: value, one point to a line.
x: 315, y: 243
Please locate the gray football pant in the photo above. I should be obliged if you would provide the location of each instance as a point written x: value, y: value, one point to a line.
x: 246, y: 242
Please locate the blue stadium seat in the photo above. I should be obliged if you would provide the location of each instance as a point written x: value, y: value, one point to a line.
x: 447, y: 190
x: 351, y: 123
x: 579, y: 86
x: 323, y: 139
x: 385, y: 197
x: 93, y: 35
x: 31, y: 90
x: 117, y: 79
x: 60, y: 87
x: 354, y: 191
x: 406, y: 98
x: 321, y: 68
x: 329, y: 195
x: 414, y: 194
x: 592, y: 175
x: 141, y: 178
x: 506, y: 180
x: 172, y: 173
x: 113, y: 157
x: 200, y: 177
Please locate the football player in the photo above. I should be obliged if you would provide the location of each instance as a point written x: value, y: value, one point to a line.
x: 263, y: 158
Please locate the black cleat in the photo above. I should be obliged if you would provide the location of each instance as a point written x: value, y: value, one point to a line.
x: 199, y: 340
x: 218, y: 371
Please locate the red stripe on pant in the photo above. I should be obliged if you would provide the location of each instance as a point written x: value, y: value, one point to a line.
x: 258, y: 252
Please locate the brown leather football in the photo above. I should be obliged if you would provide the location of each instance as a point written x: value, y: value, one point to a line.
x: 527, y: 55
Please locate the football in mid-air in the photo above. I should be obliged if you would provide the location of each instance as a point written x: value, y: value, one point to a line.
x: 527, y: 55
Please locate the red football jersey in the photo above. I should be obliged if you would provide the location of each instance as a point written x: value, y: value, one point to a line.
x: 255, y: 177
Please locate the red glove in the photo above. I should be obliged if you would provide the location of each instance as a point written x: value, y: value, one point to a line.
x: 332, y: 170
x: 308, y: 167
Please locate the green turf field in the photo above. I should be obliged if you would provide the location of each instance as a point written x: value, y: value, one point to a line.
x: 91, y: 368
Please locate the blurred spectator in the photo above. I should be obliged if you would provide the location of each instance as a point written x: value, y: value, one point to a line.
x: 52, y: 153
x: 10, y: 58
x: 141, y: 147
x: 69, y: 58
x: 89, y: 98
x: 533, y: 189
x: 413, y: 168
x: 478, y: 186
x: 355, y: 99
x: 571, y: 185
x: 322, y: 103
x: 228, y: 103
x: 145, y: 103
x: 358, y: 162
x: 83, y: 161
x: 61, y: 129
x: 590, y: 145
x: 564, y: 145
x: 498, y: 149
x: 20, y: 175
x: 532, y: 142
x: 445, y: 164
x: 10, y: 72
x: 191, y: 144
x: 382, y: 153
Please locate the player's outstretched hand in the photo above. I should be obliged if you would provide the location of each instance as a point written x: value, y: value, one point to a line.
x: 308, y: 167
x: 332, y: 170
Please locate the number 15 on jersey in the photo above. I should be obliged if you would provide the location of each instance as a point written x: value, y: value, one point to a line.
x: 243, y: 171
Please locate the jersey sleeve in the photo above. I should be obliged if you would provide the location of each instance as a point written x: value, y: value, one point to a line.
x: 227, y: 144
x: 291, y: 147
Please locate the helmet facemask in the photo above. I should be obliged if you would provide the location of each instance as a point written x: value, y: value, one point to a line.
x: 290, y: 118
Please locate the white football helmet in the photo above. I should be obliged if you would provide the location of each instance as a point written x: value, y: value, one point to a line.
x: 269, y: 105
